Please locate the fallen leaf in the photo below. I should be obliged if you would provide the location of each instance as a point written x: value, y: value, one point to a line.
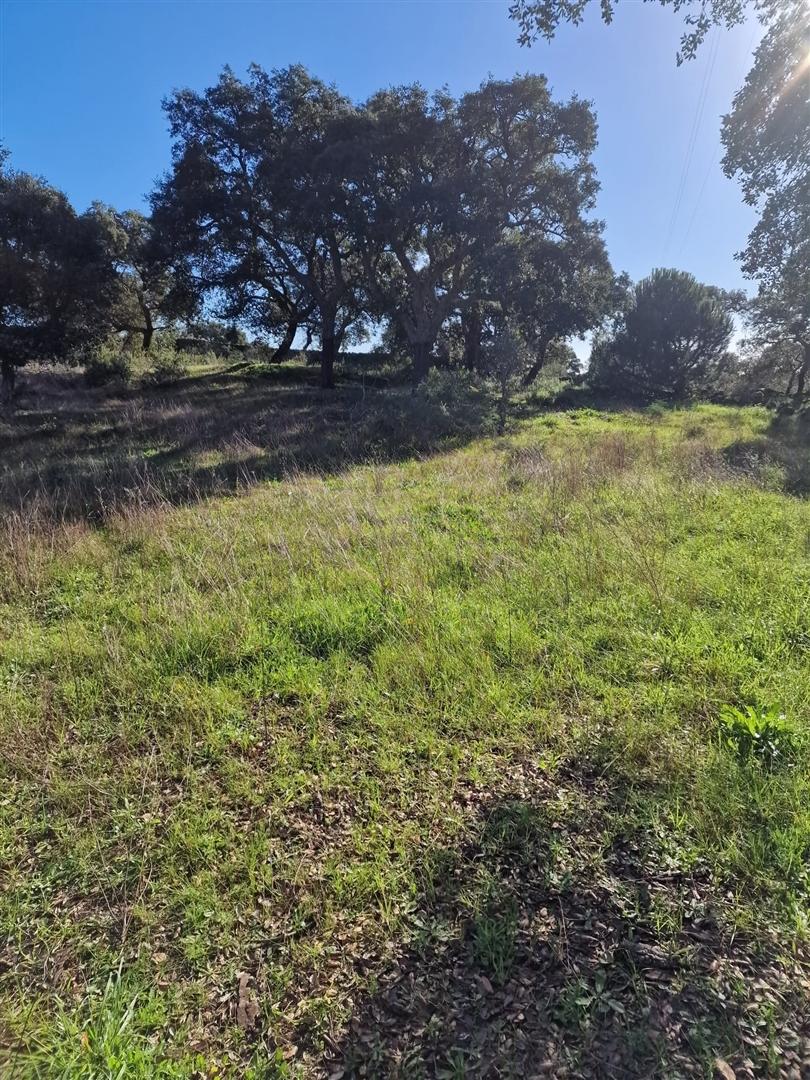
x: 246, y: 1009
x: 724, y: 1069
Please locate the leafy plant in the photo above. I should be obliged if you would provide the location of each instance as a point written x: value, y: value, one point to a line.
x: 112, y: 1035
x: 167, y: 369
x: 494, y: 943
x: 757, y: 734
x: 107, y: 365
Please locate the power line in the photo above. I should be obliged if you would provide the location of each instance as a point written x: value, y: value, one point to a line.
x: 698, y: 201
x: 697, y: 119
x: 716, y: 154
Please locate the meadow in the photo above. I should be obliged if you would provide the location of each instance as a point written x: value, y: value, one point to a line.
x: 427, y: 752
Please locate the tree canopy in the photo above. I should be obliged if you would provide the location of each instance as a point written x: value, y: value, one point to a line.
x: 57, y: 275
x: 766, y: 137
x: 249, y: 205
x: 767, y: 147
x: 449, y: 222
x: 502, y: 169
x: 292, y: 207
x: 542, y: 18
x: 670, y: 340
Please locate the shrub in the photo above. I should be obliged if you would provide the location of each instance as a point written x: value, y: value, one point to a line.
x: 167, y: 368
x: 448, y: 387
x: 107, y: 366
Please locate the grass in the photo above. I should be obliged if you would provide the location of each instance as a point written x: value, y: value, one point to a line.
x: 322, y: 778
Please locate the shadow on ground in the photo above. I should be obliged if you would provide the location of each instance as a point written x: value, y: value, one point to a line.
x: 785, y: 447
x: 81, y: 452
x: 77, y: 454
x: 542, y: 955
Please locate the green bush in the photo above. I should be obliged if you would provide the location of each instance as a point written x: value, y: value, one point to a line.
x: 166, y: 369
x: 106, y: 366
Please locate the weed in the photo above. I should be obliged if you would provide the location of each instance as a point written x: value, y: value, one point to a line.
x: 493, y: 942
x: 114, y: 1033
x: 763, y: 735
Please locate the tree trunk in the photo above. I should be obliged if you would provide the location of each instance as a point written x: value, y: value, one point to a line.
x: 472, y: 339
x: 536, y: 367
x: 801, y: 379
x: 421, y: 362
x: 149, y: 327
x: 328, y: 351
x: 285, y: 346
x: 8, y: 379
x: 503, y: 406
x: 330, y: 343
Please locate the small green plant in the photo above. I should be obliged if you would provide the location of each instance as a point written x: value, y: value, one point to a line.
x: 114, y: 1034
x: 494, y: 943
x: 757, y: 734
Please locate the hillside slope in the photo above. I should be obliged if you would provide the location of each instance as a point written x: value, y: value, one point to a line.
x: 422, y: 768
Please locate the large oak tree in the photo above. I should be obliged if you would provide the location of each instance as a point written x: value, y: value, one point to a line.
x: 435, y: 186
x: 249, y: 206
x: 153, y: 294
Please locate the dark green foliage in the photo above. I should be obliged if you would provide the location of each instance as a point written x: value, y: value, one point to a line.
x: 551, y: 290
x: 669, y: 343
x: 57, y: 276
x: 210, y: 336
x: 542, y: 18
x: 292, y: 209
x: 767, y: 142
x: 779, y: 318
x: 107, y: 366
x: 250, y: 206
x: 167, y: 368
x: 152, y: 292
x: 456, y: 204
x: 767, y: 148
x: 766, y: 138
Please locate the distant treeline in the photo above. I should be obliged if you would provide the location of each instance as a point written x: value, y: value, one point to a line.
x: 452, y: 231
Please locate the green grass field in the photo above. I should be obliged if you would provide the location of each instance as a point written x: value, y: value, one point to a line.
x: 419, y: 767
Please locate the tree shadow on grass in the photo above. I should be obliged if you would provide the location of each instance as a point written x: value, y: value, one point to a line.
x: 784, y: 450
x: 540, y: 955
x: 79, y: 453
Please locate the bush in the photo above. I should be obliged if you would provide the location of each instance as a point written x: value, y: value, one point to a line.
x: 447, y: 387
x: 106, y: 366
x: 167, y: 368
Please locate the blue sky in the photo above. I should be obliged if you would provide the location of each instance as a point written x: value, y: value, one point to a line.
x: 81, y: 85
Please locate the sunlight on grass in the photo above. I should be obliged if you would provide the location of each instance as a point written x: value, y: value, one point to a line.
x: 245, y: 735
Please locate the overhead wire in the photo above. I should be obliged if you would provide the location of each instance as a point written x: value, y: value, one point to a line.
x: 715, y: 155
x: 700, y: 106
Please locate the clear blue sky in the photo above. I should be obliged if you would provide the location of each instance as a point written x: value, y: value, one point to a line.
x: 81, y: 84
